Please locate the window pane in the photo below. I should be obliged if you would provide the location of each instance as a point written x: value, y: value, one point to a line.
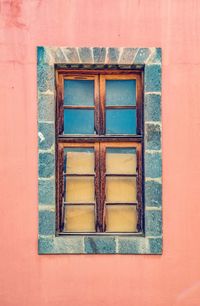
x: 79, y: 161
x: 121, y: 189
x: 121, y: 218
x: 79, y: 189
x: 121, y: 121
x: 79, y: 218
x: 121, y: 92
x: 78, y: 92
x: 121, y: 161
x: 78, y: 121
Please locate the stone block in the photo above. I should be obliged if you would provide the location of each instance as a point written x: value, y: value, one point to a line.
x: 46, y: 165
x: 152, y: 137
x: 100, y: 245
x: 46, y: 135
x: 152, y: 78
x: 155, y: 245
x: 156, y: 56
x: 46, y: 107
x: 42, y: 56
x: 99, y: 55
x: 60, y: 57
x: 142, y: 55
x: 71, y: 54
x: 45, y: 245
x: 153, y: 165
x: 152, y: 107
x: 153, y: 222
x: 133, y: 245
x: 69, y: 245
x: 153, y: 193
x: 45, y: 78
x: 85, y: 55
x: 127, y: 56
x: 112, y: 56
x: 46, y: 191
x: 46, y: 222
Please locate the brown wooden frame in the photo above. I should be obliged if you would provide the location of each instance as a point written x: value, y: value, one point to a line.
x: 99, y: 141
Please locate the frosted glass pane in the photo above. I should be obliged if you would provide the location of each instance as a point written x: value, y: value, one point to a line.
x: 121, y: 218
x: 121, y: 161
x: 79, y: 218
x: 79, y: 161
x: 79, y: 189
x: 121, y: 121
x: 78, y: 92
x: 78, y: 121
x: 121, y: 189
x: 120, y: 92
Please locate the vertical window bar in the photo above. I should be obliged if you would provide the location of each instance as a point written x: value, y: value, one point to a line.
x: 102, y: 105
x: 139, y: 187
x: 97, y: 105
x: 60, y: 103
x: 60, y: 188
x: 139, y: 104
x: 97, y: 187
x: 102, y: 164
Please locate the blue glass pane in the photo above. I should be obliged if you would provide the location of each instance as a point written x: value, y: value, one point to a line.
x: 121, y: 121
x: 78, y: 121
x: 78, y: 92
x: 121, y: 92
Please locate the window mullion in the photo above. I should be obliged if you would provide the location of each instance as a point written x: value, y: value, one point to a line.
x: 102, y: 104
x: 96, y: 103
x: 97, y: 187
x: 102, y: 165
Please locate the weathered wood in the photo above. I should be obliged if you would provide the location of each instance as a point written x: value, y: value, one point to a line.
x: 80, y: 73
x: 59, y: 104
x: 75, y: 204
x: 121, y: 107
x: 139, y: 104
x: 102, y: 208
x: 92, y: 139
x: 59, y: 189
x: 121, y: 175
x: 102, y: 106
x: 139, y: 180
x: 78, y: 174
x: 78, y: 107
x: 99, y: 142
x: 97, y: 189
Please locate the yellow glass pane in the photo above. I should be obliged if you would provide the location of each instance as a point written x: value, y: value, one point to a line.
x: 121, y: 218
x: 121, y: 163
x: 79, y: 218
x: 79, y: 189
x: 80, y: 162
x: 121, y: 189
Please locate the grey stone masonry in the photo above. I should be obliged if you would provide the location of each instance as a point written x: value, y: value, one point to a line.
x: 147, y: 59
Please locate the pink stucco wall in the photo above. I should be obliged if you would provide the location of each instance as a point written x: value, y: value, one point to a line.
x: 27, y: 279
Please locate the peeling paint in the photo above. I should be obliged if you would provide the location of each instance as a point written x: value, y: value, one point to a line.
x: 41, y: 137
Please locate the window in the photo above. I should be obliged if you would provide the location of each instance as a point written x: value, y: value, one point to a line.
x: 99, y: 151
x: 80, y: 162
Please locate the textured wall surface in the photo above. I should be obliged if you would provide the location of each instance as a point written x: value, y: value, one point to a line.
x: 27, y: 278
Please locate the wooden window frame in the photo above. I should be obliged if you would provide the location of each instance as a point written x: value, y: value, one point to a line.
x: 100, y: 139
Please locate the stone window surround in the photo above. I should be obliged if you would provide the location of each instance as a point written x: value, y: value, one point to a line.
x: 124, y: 58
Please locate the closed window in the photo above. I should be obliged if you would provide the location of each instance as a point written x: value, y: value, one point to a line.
x: 99, y: 138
